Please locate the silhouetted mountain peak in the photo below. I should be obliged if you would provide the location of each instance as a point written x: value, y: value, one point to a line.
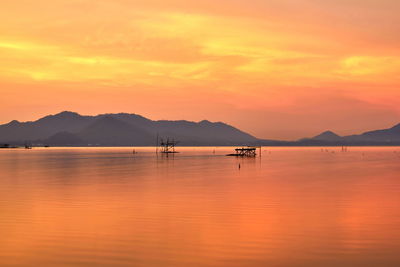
x: 13, y: 122
x: 67, y: 114
x: 327, y: 135
x: 123, y: 114
x: 60, y: 116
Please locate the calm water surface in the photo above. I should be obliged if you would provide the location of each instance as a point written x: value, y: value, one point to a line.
x: 108, y: 207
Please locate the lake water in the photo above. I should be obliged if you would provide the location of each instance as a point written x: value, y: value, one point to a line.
x: 109, y: 207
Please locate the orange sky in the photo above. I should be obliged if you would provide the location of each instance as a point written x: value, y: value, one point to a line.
x: 280, y: 69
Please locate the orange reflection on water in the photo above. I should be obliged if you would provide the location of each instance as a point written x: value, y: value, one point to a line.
x: 292, y: 207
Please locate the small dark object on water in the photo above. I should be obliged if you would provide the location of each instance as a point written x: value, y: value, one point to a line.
x: 244, y: 152
x: 7, y: 146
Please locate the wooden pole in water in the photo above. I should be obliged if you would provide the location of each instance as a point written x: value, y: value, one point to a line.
x: 157, y: 145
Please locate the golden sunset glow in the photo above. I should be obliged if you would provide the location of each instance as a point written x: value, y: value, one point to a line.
x: 263, y: 66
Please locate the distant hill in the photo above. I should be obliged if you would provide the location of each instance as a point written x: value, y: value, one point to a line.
x: 389, y: 136
x: 328, y: 136
x: 122, y: 129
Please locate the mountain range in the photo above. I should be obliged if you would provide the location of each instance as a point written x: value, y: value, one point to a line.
x: 390, y: 136
x: 122, y: 129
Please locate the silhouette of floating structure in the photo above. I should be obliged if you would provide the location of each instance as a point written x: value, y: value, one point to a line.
x: 7, y: 146
x: 28, y: 146
x: 249, y: 151
x: 168, y: 146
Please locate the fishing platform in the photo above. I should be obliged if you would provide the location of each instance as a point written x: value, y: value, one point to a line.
x: 168, y: 146
x: 250, y: 151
